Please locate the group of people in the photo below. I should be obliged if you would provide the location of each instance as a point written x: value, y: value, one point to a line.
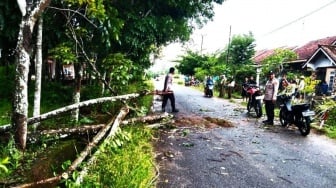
x: 272, y: 87
x: 248, y: 81
x: 226, y: 84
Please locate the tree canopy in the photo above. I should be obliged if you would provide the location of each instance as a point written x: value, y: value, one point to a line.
x: 236, y: 57
x: 113, y: 37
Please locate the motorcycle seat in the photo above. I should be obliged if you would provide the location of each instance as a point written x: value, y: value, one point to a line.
x: 300, y: 106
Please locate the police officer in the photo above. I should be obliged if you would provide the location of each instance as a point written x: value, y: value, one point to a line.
x: 271, y: 91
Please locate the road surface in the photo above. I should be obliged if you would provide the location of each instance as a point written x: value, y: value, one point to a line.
x: 248, y: 154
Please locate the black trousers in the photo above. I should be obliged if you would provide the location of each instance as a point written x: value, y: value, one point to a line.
x: 171, y: 97
x: 269, y: 107
x: 230, y: 89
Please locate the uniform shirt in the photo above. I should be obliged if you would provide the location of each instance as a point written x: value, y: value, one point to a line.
x: 271, y: 89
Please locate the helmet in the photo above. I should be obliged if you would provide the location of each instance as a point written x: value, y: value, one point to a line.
x: 270, y: 72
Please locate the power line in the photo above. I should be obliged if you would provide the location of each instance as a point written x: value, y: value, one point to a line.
x: 300, y: 18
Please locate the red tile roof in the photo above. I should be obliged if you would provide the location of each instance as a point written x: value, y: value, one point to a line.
x: 262, y: 54
x: 330, y: 50
x: 306, y: 51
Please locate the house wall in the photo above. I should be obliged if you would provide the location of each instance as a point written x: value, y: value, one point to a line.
x: 331, y: 78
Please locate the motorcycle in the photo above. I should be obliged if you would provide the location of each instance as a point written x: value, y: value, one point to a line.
x: 298, y: 114
x: 208, y: 90
x: 254, y: 99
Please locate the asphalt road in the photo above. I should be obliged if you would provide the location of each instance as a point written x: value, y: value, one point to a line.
x: 246, y: 155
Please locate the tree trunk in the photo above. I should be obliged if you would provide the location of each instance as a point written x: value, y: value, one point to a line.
x: 76, y: 96
x: 103, y: 85
x: 20, y: 103
x: 38, y: 78
x: 20, y: 106
x: 56, y: 112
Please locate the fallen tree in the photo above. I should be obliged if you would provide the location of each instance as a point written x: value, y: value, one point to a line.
x: 107, y: 132
x: 112, y: 125
x: 56, y: 112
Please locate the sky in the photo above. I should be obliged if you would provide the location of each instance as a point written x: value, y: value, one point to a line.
x: 273, y: 23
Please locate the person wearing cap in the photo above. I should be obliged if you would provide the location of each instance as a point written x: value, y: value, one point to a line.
x: 168, y: 91
x: 271, y: 91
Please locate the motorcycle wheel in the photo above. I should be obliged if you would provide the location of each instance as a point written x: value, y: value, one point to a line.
x: 282, y: 118
x: 258, y: 109
x: 210, y: 93
x: 304, y: 125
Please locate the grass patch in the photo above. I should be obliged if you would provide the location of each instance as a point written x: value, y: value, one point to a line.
x: 5, y: 111
x: 129, y: 165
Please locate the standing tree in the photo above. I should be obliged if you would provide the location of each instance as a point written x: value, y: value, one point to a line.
x: 127, y: 27
x: 38, y: 71
x: 30, y: 14
x: 276, y: 61
x: 239, y: 52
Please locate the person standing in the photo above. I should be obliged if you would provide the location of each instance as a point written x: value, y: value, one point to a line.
x: 271, y: 91
x: 221, y: 86
x: 231, y: 85
x: 301, y: 87
x: 244, y: 87
x: 283, y: 82
x: 252, y: 81
x: 324, y: 88
x: 168, y: 91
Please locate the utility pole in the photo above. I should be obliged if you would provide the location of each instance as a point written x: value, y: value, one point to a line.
x: 202, y: 36
x: 228, y: 51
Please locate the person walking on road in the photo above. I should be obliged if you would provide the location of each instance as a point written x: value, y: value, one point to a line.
x: 271, y: 91
x: 231, y: 85
x: 168, y: 91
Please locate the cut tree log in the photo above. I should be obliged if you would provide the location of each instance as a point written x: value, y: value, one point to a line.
x: 56, y: 112
x: 147, y: 119
x: 122, y: 114
x: 64, y: 132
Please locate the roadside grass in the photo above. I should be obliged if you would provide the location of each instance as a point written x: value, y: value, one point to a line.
x: 329, y: 128
x: 131, y: 164
x: 127, y: 161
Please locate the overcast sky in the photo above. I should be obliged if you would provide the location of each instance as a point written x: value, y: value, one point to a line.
x: 274, y: 23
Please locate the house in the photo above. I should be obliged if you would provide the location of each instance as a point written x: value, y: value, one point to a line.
x: 323, y: 63
x: 306, y: 51
x: 318, y: 56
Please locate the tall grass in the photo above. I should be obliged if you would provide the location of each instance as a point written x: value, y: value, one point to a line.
x: 129, y: 165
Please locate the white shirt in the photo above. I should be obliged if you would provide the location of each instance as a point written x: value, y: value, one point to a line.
x: 169, y: 82
x: 271, y: 89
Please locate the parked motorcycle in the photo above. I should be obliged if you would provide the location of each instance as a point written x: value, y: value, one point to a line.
x: 208, y: 90
x: 254, y: 99
x: 298, y: 114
